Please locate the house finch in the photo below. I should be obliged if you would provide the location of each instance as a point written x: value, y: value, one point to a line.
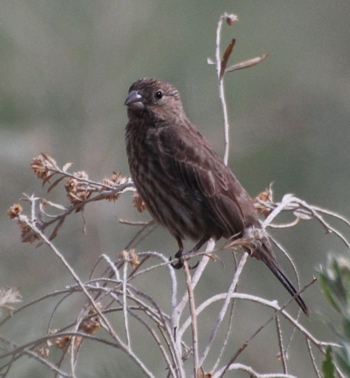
x: 186, y: 186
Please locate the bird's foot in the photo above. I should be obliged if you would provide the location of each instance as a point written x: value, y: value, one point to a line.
x: 181, y: 256
x: 179, y: 263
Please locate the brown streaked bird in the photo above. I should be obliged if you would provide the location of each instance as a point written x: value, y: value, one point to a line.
x: 186, y: 186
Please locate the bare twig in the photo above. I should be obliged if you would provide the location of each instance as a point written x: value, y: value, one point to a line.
x: 194, y: 328
x: 224, y: 308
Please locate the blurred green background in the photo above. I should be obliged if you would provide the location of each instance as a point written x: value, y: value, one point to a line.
x: 65, y: 69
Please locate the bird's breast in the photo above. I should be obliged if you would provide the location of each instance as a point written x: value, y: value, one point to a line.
x: 168, y: 199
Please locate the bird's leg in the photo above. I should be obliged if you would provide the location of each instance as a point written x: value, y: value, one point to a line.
x: 179, y: 264
x: 181, y: 255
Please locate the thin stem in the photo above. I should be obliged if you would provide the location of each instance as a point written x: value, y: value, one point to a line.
x: 193, y: 317
x: 222, y: 89
x: 125, y: 305
x: 224, y: 308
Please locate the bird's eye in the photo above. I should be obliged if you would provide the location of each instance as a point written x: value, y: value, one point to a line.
x: 158, y: 95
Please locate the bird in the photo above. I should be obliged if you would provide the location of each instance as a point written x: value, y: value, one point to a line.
x: 186, y: 186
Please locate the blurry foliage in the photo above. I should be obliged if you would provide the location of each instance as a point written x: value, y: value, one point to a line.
x: 328, y: 369
x: 335, y: 283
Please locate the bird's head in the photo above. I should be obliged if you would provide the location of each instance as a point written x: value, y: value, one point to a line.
x: 153, y: 98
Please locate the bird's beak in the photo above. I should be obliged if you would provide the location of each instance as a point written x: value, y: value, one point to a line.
x: 134, y: 101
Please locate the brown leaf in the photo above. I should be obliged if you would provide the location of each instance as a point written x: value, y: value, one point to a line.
x: 66, y: 166
x: 55, y: 230
x: 47, y: 179
x: 53, y: 204
x: 247, y: 63
x: 226, y: 57
x: 55, y: 183
x: 49, y: 159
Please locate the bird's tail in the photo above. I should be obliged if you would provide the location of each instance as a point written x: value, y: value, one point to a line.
x: 266, y: 255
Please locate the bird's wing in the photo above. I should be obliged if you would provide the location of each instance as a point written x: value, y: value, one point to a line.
x: 187, y: 156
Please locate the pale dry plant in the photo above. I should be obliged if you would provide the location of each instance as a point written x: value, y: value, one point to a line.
x: 116, y: 300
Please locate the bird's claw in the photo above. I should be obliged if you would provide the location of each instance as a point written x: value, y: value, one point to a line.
x: 194, y: 266
x: 180, y: 262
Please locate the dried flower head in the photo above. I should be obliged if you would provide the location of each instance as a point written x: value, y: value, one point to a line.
x: 77, y: 188
x: 28, y: 235
x: 89, y: 325
x: 92, y: 323
x: 44, y: 351
x: 138, y: 202
x: 130, y: 256
x: 114, y: 181
x: 203, y: 374
x: 44, y: 166
x: 263, y: 200
x: 62, y: 342
x: 14, y: 211
x: 8, y: 297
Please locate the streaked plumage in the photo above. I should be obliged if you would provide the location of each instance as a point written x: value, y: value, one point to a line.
x: 186, y: 186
